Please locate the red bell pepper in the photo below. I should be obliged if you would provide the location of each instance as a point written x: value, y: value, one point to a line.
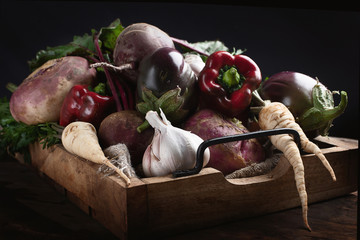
x: 81, y: 104
x: 227, y: 82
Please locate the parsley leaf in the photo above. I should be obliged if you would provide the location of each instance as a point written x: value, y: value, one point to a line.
x: 15, y: 137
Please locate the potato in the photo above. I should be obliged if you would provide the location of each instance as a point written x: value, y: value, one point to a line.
x: 39, y: 97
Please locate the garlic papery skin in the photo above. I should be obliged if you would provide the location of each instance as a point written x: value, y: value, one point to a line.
x: 171, y: 149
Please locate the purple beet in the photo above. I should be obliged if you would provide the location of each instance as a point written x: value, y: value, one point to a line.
x: 226, y: 157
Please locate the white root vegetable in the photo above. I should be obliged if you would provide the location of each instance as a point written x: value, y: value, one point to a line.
x: 80, y: 138
x: 171, y: 149
x: 277, y: 115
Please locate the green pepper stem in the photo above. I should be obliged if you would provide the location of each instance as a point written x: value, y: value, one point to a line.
x: 231, y: 78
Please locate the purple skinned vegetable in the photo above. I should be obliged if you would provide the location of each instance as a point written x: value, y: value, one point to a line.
x: 226, y: 157
x: 311, y: 103
x: 135, y: 42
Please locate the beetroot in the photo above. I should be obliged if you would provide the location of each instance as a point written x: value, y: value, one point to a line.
x: 39, y: 97
x: 137, y: 41
x: 120, y: 127
x: 226, y: 157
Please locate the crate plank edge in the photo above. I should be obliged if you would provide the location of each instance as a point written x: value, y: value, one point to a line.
x: 163, y: 206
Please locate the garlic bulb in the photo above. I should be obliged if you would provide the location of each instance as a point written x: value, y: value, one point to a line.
x: 171, y: 148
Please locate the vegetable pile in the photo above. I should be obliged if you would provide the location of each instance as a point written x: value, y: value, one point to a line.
x: 139, y: 102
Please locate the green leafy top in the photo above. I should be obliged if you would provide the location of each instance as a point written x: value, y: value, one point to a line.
x: 15, y: 137
x: 81, y: 46
x: 208, y: 47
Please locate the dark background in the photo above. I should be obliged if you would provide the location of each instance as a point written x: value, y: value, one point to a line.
x: 321, y: 42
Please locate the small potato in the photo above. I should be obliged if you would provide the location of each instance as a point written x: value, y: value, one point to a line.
x: 39, y: 97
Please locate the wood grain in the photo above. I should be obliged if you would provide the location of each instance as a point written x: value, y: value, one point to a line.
x: 164, y: 206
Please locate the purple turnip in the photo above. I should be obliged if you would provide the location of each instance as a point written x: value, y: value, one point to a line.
x: 135, y: 42
x: 39, y: 97
x: 226, y: 157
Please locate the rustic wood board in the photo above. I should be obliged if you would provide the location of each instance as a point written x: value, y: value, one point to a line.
x: 164, y: 205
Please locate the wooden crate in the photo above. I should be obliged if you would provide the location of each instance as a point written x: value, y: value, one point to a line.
x: 163, y: 206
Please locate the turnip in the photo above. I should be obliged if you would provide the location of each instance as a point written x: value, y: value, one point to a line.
x: 39, y: 97
x: 135, y: 42
x: 120, y: 127
x: 226, y: 157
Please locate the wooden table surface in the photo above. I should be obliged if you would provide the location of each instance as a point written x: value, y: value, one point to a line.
x: 30, y: 208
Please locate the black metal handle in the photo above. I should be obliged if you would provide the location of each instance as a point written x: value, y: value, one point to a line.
x: 232, y: 138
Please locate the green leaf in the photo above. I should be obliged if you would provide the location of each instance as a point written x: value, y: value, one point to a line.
x: 85, y: 44
x: 108, y: 35
x: 16, y: 136
x: 49, y: 53
x: 210, y: 46
x: 238, y: 51
x: 80, y: 45
x: 100, y: 89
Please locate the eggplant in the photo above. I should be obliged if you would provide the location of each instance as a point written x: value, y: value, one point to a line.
x: 311, y: 103
x: 166, y: 81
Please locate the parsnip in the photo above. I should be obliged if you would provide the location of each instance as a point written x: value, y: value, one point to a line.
x: 80, y: 138
x: 277, y: 115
